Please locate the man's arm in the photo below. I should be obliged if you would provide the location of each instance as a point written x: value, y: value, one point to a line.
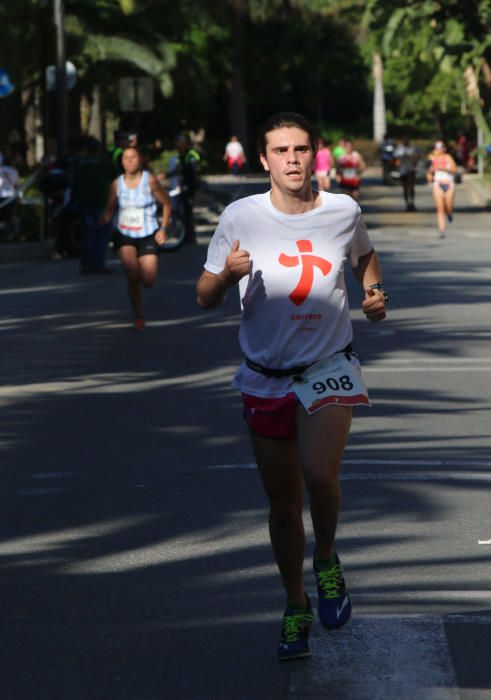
x: 368, y: 272
x: 212, y: 289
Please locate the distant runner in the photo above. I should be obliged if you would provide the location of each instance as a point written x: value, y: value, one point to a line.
x: 442, y: 174
x: 408, y: 156
x: 349, y: 168
x: 135, y: 194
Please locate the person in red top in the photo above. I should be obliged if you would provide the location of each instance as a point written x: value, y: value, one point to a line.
x: 349, y: 168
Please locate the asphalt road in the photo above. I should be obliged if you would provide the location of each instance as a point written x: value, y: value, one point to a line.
x: 135, y: 557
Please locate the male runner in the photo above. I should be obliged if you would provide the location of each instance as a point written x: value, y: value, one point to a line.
x: 286, y: 249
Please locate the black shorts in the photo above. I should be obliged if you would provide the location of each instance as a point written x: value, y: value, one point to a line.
x: 144, y: 246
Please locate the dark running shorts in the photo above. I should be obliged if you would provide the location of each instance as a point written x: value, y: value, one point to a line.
x: 144, y: 246
x: 271, y: 417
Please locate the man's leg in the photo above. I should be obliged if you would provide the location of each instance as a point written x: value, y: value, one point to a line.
x: 280, y: 471
x: 322, y: 438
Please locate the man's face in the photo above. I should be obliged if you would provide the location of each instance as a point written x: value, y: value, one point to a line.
x: 288, y: 159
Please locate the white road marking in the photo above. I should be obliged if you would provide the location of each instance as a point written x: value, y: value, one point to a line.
x: 381, y: 658
x: 484, y: 542
x: 403, y: 370
x: 460, y: 471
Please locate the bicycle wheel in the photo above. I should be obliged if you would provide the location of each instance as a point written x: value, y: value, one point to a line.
x: 176, y: 233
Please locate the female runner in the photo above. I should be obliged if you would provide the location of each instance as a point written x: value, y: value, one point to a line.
x: 135, y: 194
x: 442, y: 174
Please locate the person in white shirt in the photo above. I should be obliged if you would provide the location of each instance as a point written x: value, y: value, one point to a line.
x: 286, y: 250
x: 234, y: 155
x: 408, y: 156
x: 9, y: 188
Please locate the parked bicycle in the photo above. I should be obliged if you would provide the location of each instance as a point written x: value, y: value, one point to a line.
x: 176, y: 231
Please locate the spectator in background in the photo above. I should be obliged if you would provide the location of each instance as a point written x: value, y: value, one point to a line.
x: 183, y: 173
x: 387, y: 148
x: 234, y: 155
x: 9, y: 187
x: 92, y: 173
x: 322, y: 165
x: 462, y: 150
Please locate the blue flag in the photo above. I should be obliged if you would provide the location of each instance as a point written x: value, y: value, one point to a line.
x: 6, y: 86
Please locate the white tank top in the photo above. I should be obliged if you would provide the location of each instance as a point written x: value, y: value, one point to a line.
x: 137, y: 215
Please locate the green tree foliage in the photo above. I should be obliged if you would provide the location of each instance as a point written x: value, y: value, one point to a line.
x: 434, y: 53
x: 225, y: 65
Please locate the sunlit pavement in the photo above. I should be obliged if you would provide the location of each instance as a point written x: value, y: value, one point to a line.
x: 135, y: 555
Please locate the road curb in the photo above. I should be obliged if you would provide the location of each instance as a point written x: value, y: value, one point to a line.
x: 480, y: 188
x: 27, y: 251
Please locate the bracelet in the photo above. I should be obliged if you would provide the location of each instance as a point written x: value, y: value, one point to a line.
x: 381, y: 288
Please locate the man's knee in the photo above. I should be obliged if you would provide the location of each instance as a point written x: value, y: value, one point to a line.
x: 286, y: 514
x: 322, y: 482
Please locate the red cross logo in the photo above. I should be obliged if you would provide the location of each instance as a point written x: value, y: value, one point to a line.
x: 308, y: 262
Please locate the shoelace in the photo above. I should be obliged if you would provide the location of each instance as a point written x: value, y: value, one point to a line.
x: 330, y: 581
x: 292, y: 624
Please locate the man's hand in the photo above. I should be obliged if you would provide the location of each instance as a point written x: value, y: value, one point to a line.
x: 237, y: 264
x: 374, y: 305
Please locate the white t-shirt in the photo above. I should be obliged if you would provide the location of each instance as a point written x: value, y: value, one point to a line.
x: 294, y: 301
x: 234, y: 150
x: 9, y: 181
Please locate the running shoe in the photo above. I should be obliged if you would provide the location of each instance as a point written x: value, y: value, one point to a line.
x: 450, y: 218
x: 334, y: 600
x: 139, y: 324
x: 294, y: 642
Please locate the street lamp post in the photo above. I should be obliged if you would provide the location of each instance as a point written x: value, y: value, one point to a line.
x: 61, y: 118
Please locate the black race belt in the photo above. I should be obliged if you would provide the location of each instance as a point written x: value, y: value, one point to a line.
x: 288, y: 372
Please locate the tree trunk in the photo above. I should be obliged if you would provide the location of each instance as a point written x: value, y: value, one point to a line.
x: 237, y: 98
x: 474, y: 97
x: 379, y: 117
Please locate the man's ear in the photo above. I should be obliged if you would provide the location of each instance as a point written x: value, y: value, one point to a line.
x: 264, y: 162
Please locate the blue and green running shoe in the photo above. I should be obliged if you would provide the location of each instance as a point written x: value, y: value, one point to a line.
x: 334, y: 600
x: 295, y: 630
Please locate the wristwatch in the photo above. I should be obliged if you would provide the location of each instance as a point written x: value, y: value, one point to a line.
x: 381, y: 288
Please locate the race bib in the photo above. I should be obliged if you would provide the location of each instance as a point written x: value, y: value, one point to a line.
x: 131, y: 220
x: 336, y: 380
x: 349, y: 173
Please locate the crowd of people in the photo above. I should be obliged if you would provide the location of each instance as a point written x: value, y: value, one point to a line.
x: 116, y: 197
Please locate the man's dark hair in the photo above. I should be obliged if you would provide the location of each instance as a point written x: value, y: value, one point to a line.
x: 288, y: 120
